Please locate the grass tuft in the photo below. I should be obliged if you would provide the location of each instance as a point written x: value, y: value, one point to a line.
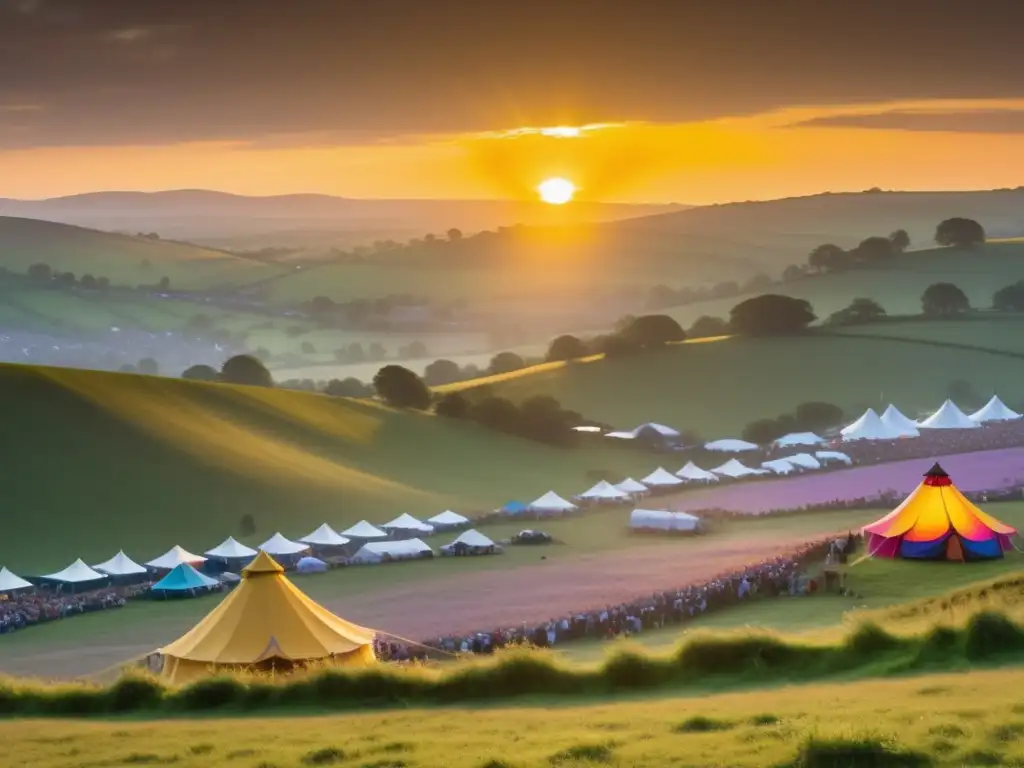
x: 857, y: 753
x: 323, y: 756
x: 765, y: 719
x: 701, y: 724
x: 592, y: 753
x: 991, y: 634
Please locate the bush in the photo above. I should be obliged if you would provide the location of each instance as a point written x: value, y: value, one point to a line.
x: 148, y: 366
x: 816, y: 416
x: 615, y: 345
x: 442, y: 372
x: 496, y: 413
x: 200, y: 373
x: 857, y: 753
x: 707, y: 326
x: 401, y: 388
x: 959, y: 232
x: 1010, y: 298
x: 763, y: 431
x: 701, y: 724
x: 943, y: 300
x: 452, y: 406
x: 349, y: 387
x: 246, y: 369
x: 653, y: 331
x: 505, y: 362
x: 770, y: 314
x: 566, y: 347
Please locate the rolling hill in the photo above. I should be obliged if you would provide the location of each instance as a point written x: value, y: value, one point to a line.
x: 101, y: 461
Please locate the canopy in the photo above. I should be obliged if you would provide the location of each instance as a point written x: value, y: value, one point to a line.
x: 833, y: 456
x: 325, y: 536
x: 75, y: 573
x: 552, y: 502
x: 10, y: 582
x: 604, y: 491
x: 376, y: 551
x: 778, y: 466
x: 265, y: 621
x: 870, y: 427
x: 620, y: 435
x: 176, y: 556
x: 183, y: 578
x: 694, y: 473
x: 937, y: 522
x: 729, y: 445
x: 473, y: 538
x: 735, y: 468
x: 229, y: 549
x: 448, y: 518
x: 279, y: 545
x: 657, y: 520
x: 405, y: 522
x: 948, y: 417
x: 896, y: 421
x: 311, y: 565
x: 120, y: 565
x: 803, y: 460
x: 994, y: 410
x: 629, y: 485
x: 363, y: 530
x: 661, y: 478
x: 799, y: 438
x: 661, y: 429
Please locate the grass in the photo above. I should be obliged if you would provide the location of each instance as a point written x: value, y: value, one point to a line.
x: 710, y: 387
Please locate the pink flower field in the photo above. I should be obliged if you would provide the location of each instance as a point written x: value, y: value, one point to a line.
x: 979, y: 471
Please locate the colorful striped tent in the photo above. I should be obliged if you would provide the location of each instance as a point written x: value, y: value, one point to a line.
x: 937, y: 522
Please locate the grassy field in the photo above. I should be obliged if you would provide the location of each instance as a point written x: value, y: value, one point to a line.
x: 716, y: 388
x: 990, y: 331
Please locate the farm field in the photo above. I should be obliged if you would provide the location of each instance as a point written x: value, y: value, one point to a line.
x: 995, y: 331
x: 716, y: 388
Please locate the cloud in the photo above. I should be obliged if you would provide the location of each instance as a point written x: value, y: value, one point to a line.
x: 980, y: 121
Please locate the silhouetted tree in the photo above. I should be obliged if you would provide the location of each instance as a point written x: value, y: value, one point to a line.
x: 88, y: 282
x: 505, y: 362
x: 148, y: 366
x: 442, y: 372
x: 615, y: 345
x: 246, y: 369
x: 943, y: 299
x: 706, y: 326
x: 349, y: 387
x: 859, y: 312
x: 102, y: 283
x: 758, y: 282
x: 661, y: 296
x: 454, y: 235
x: 770, y: 314
x: 200, y: 373
x: 496, y: 413
x: 41, y: 273
x: 247, y: 525
x: 1010, y: 298
x: 652, y: 331
x: 874, y: 249
x: 825, y: 258
x: 764, y: 431
x: 128, y: 368
x: 960, y: 232
x: 165, y: 284
x: 566, y: 347
x: 900, y: 240
x: 376, y: 352
x: 452, y: 406
x: 401, y: 388
x: 815, y: 416
x: 793, y: 272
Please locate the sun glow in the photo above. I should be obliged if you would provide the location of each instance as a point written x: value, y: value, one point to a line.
x: 556, y: 191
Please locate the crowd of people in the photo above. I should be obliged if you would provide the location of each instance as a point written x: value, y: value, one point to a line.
x: 937, y: 442
x: 22, y: 609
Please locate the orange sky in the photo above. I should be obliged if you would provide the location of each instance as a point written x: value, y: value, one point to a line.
x: 761, y: 156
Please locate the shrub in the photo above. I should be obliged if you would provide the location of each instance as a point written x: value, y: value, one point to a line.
x: 944, y: 299
x: 770, y: 314
x: 348, y: 387
x: 857, y: 753
x: 200, y: 373
x: 442, y: 372
x: 566, y: 347
x: 706, y: 326
x: 452, y: 406
x: 990, y: 634
x: 701, y: 724
x: 652, y: 331
x: 148, y: 366
x: 593, y: 753
x: 401, y: 388
x: 323, y: 756
x: 246, y: 369
x: 505, y: 362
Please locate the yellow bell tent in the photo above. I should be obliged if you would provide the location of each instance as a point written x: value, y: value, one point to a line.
x: 266, y: 623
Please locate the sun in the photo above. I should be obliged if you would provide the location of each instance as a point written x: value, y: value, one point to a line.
x: 556, y: 191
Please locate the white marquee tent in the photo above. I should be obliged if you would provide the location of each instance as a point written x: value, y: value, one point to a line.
x: 406, y: 522
x: 994, y: 410
x: 551, y: 503
x: 75, y: 573
x: 325, y: 536
x: 229, y: 549
x: 894, y: 418
x: 10, y: 581
x: 174, y: 557
x: 869, y: 427
x: 120, y: 565
x: 803, y: 460
x: 799, y: 438
x: 694, y: 474
x: 948, y: 417
x: 729, y: 445
x: 629, y: 485
x: 828, y: 456
x: 472, y: 538
x: 604, y: 491
x: 363, y: 530
x: 378, y: 551
x: 448, y: 519
x: 658, y: 520
x: 652, y: 426
x: 661, y: 478
x: 279, y: 545
x: 621, y: 435
x: 735, y: 468
x: 778, y: 466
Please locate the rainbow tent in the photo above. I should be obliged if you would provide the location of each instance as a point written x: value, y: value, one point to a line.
x: 937, y: 522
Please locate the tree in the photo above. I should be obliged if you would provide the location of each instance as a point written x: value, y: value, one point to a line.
x: 148, y: 366
x: 164, y: 285
x: 454, y: 235
x: 496, y: 413
x: 793, y: 272
x: 442, y: 372
x: 960, y: 232
x: 706, y: 326
x: 349, y: 387
x: 200, y: 373
x: 452, y: 406
x: 88, y: 282
x: 859, y: 312
x: 615, y: 345
x: 505, y: 362
x: 401, y: 388
x: 413, y: 350
x: 246, y: 369
x: 874, y: 249
x: 543, y: 419
x: 900, y: 240
x: 763, y: 431
x: 825, y: 258
x: 1009, y: 298
x: 770, y: 314
x: 815, y: 416
x: 128, y: 368
x: 102, y: 283
x: 566, y: 347
x: 308, y: 348
x: 41, y: 273
x: 652, y: 331
x: 944, y: 299
x: 64, y: 279
x: 376, y: 352
x: 758, y: 282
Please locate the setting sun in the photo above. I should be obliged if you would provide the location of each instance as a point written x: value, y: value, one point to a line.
x: 556, y: 191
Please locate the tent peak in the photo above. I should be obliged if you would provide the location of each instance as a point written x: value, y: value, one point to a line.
x: 936, y: 471
x: 261, y: 564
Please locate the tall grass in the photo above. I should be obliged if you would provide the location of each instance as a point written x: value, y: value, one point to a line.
x: 710, y: 660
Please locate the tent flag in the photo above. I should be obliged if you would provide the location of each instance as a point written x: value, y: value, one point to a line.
x: 994, y: 410
x: 183, y: 578
x: 937, y: 522
x: 229, y: 549
x: 948, y: 417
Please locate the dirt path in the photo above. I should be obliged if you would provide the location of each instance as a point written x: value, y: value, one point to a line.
x: 489, y: 599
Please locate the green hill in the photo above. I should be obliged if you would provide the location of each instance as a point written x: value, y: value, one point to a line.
x: 123, y: 259
x: 101, y: 461
x: 718, y: 387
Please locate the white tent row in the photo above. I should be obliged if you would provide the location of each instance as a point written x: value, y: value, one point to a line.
x: 10, y: 581
x: 734, y: 468
x: 629, y: 485
x: 779, y: 466
x: 447, y: 519
x: 730, y: 445
x: 364, y: 530
x: 658, y: 520
x: 694, y: 474
x: 120, y: 565
x: 472, y: 539
x: 174, y: 557
x: 604, y: 491
x: 551, y: 503
x: 279, y: 545
x: 406, y: 522
x: 870, y: 427
x: 325, y: 536
x: 76, y: 573
x: 994, y: 410
x: 949, y: 416
x: 895, y: 420
x: 229, y: 549
x: 799, y: 438
x: 378, y: 551
x: 661, y: 478
x: 803, y: 460
x: 827, y: 456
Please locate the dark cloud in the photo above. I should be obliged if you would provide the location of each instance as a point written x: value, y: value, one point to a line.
x: 157, y: 71
x: 968, y: 121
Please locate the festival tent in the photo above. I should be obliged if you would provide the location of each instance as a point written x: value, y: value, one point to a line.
x: 587, y: 428
x: 730, y: 446
x: 447, y: 519
x: 621, y: 435
x: 658, y: 520
x: 778, y: 466
x: 406, y: 522
x: 937, y: 522
x: 803, y: 460
x: 869, y: 427
x: 183, y: 578
x: 266, y: 622
x: 311, y: 565
x: 799, y: 438
x: 175, y: 556
x: 363, y: 530
x: 694, y: 474
x: 473, y: 538
x: 661, y: 478
x: 828, y: 456
x: 604, y: 491
x: 948, y: 417
x: 325, y: 536
x: 551, y: 503
x: 229, y: 549
x: 629, y: 485
x: 10, y: 582
x: 279, y: 545
x: 894, y: 419
x: 735, y: 468
x: 514, y: 508
x: 120, y: 565
x: 661, y: 429
x: 994, y: 410
x: 76, y: 573
x: 378, y: 551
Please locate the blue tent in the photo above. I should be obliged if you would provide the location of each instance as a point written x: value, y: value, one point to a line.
x: 514, y: 508
x: 182, y: 579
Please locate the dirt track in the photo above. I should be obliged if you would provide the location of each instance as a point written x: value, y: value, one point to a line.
x: 489, y: 599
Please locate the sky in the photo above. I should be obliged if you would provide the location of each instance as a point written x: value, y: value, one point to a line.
x: 670, y: 100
